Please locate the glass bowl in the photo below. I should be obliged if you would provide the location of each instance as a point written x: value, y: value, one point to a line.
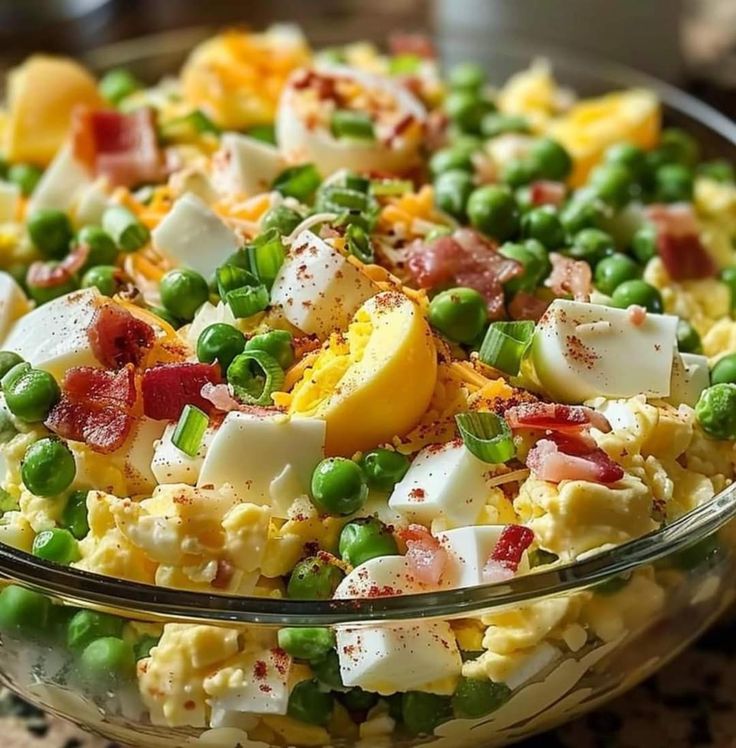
x: 630, y: 608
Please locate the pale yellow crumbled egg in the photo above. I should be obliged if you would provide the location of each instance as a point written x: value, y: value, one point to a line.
x: 720, y: 340
x: 16, y: 531
x: 533, y: 93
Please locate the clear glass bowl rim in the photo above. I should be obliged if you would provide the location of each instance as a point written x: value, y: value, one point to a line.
x: 147, y: 602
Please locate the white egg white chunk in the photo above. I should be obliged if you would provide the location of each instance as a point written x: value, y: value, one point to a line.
x: 91, y: 203
x: 248, y: 451
x: 137, y: 453
x: 194, y: 236
x: 581, y: 351
x: 522, y: 667
x: 13, y: 303
x: 9, y: 201
x: 171, y: 465
x: 444, y: 480
x: 61, y: 183
x: 690, y: 376
x: 302, y: 140
x: 317, y: 289
x: 388, y: 573
x: 53, y: 337
x: 245, y: 166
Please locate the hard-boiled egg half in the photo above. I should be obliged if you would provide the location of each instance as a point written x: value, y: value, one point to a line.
x: 341, y: 118
x: 374, y: 381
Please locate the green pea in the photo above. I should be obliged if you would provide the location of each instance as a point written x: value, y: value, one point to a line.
x: 543, y: 224
x: 688, y: 340
x: 118, y: 84
x: 591, y: 245
x: 56, y: 545
x: 716, y: 410
x: 23, y: 611
x: 466, y: 110
x: 535, y: 264
x: 630, y: 156
x: 724, y: 371
x: 86, y: 626
x: 183, y: 291
x: 277, y: 343
x: 728, y: 276
x: 494, y: 211
x: 51, y: 232
x: 44, y: 294
x: 366, y: 538
x: 339, y: 487
x: 451, y: 192
x: 30, y: 393
x: 495, y: 124
x: 637, y: 292
x: 164, y: 315
x: 48, y: 467
x: 458, y: 313
x: 467, y: 75
x: 75, y: 517
x: 699, y: 555
x: 26, y: 176
x: 384, y: 468
x: 107, y: 661
x: 644, y: 244
x: 102, y: 249
x: 107, y: 279
x: 451, y: 158
x: 551, y: 159
x: 613, y: 184
x: 612, y: 271
x: 125, y: 229
x: 314, y: 578
x: 582, y: 212
x: 358, y: 700
x: 220, y: 342
x: 306, y: 644
x: 719, y: 170
x: 282, y: 218
x: 327, y: 671
x: 474, y: 698
x: 8, y: 360
x: 674, y: 183
x: 422, y: 712
x: 519, y: 173
x: 309, y: 704
x: 679, y: 147
x: 142, y: 648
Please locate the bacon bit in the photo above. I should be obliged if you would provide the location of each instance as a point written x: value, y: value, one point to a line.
x: 224, y: 575
x: 545, y: 192
x: 675, y: 219
x: 555, y: 417
x: 48, y: 274
x: 220, y: 396
x: 570, y: 277
x: 637, y: 315
x: 95, y: 407
x: 425, y: 556
x: 169, y: 387
x: 305, y: 344
x: 399, y: 129
x: 324, y: 84
x: 550, y: 463
x: 118, y: 338
x: 527, y: 306
x: 122, y: 147
x: 401, y: 43
x: 468, y: 259
x: 507, y: 553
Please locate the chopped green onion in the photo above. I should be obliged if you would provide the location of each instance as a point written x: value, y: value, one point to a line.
x: 335, y: 198
x: 356, y: 182
x: 230, y: 277
x: 347, y: 123
x: 188, y: 127
x: 118, y: 84
x: 299, y: 182
x: 266, y: 256
x: 385, y: 187
x: 487, y: 436
x: 189, y: 432
x: 248, y: 300
x: 359, y: 243
x: 127, y: 231
x: 505, y: 345
x: 404, y: 64
x: 264, y: 133
x: 249, y: 386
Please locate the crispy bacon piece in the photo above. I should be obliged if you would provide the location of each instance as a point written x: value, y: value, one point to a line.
x: 545, y: 192
x: 401, y: 43
x: 169, y: 387
x: 122, y: 147
x: 507, y: 553
x: 550, y: 463
x: 118, y: 338
x: 95, y: 407
x: 527, y: 306
x: 47, y: 274
x: 570, y: 277
x: 425, y: 556
x: 555, y: 417
x: 466, y: 258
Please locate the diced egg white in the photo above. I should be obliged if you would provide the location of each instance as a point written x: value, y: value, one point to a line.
x: 445, y: 480
x: 249, y: 451
x: 690, y: 376
x: 61, y: 183
x: 53, y: 337
x: 581, y: 351
x: 9, y: 201
x: 171, y: 465
x: 317, y: 290
x: 137, y: 453
x: 13, y: 303
x: 194, y: 236
x: 389, y: 574
x: 91, y: 202
x: 285, y: 488
x: 521, y: 667
x: 245, y: 166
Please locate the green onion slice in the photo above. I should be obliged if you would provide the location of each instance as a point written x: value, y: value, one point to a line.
x: 189, y: 126
x: 352, y: 125
x: 505, y: 344
x: 387, y: 187
x: 359, y: 243
x: 230, y: 277
x: 254, y: 375
x: 487, y: 436
x: 356, y: 182
x: 127, y: 231
x: 247, y: 301
x: 190, y: 429
x: 266, y: 256
x: 406, y: 63
x: 335, y: 198
x: 299, y: 182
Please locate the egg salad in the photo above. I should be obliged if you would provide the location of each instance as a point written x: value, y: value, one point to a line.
x: 335, y: 325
